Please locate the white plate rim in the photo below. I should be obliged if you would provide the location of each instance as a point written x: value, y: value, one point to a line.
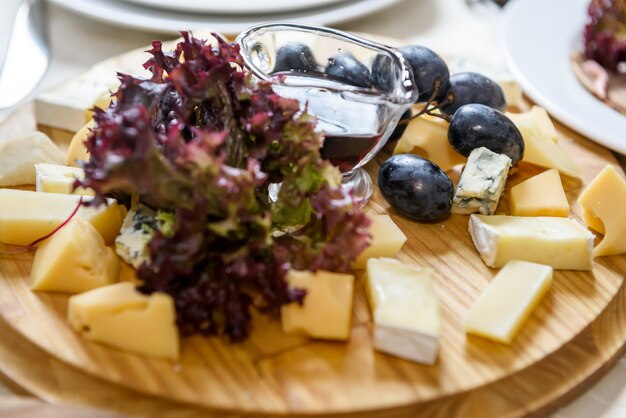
x: 603, y: 124
x: 137, y: 17
x: 225, y: 7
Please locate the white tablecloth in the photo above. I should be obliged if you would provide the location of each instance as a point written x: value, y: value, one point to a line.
x: 448, y: 26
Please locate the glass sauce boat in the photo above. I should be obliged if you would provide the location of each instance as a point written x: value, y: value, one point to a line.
x: 356, y: 119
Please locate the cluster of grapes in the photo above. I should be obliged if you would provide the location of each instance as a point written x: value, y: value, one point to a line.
x: 471, y: 102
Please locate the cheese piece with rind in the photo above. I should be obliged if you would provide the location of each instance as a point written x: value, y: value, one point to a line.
x: 558, y: 242
x: 405, y: 310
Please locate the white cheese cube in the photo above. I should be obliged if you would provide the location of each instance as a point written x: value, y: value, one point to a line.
x: 55, y: 178
x: 65, y: 106
x: 405, y: 310
x: 558, y: 242
x: 481, y: 183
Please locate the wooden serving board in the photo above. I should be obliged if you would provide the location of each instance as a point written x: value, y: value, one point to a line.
x: 273, y: 373
x: 534, y: 391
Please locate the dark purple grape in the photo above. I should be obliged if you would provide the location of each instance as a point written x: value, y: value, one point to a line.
x: 476, y: 125
x: 427, y: 67
x: 469, y: 87
x: 415, y: 187
x: 295, y: 57
x: 382, y: 76
x: 349, y: 69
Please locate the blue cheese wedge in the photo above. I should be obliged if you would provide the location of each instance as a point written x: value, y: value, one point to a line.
x: 482, y: 182
x: 137, y: 230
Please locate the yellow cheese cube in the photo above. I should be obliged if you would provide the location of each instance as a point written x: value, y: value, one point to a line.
x: 327, y: 306
x: 27, y: 216
x: 119, y: 316
x: 540, y: 137
x: 541, y: 195
x: 77, y: 150
x: 74, y: 260
x: 558, y: 242
x: 387, y: 240
x: 53, y: 178
x: 405, y: 310
x: 603, y: 202
x: 500, y: 311
x: 427, y: 136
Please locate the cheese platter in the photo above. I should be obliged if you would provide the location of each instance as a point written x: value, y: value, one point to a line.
x: 279, y: 373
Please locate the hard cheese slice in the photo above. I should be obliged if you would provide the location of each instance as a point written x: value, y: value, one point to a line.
x: 27, y: 216
x: 603, y: 202
x: 500, y: 311
x: 55, y: 178
x: 74, y: 260
x: 387, y: 240
x: 18, y: 157
x: 481, y: 183
x: 119, y: 316
x: 558, y: 242
x: 405, y: 309
x: 540, y: 138
x: 541, y: 195
x: 427, y: 136
x: 327, y: 306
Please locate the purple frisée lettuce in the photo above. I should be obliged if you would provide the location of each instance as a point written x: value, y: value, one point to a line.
x: 201, y: 141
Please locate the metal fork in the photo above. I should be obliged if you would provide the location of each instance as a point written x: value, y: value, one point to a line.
x: 27, y: 55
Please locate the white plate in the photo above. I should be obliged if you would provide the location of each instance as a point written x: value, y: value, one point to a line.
x: 135, y: 16
x: 235, y: 6
x: 539, y: 37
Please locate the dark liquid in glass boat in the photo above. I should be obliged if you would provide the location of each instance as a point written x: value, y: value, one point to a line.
x: 353, y: 120
x: 345, y: 152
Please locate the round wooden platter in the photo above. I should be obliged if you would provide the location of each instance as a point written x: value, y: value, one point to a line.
x: 535, y: 391
x: 273, y: 373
